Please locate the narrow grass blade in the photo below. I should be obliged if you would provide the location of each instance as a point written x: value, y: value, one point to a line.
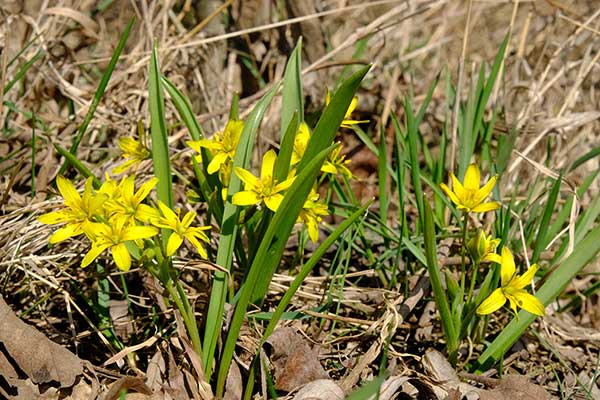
x: 229, y: 228
x: 268, y: 256
x: 78, y: 165
x: 412, y: 131
x: 186, y: 114
x: 158, y: 132
x: 382, y: 175
x: 587, y: 250
x: 436, y: 282
x: 98, y: 95
x: 595, y: 152
x: 22, y: 71
x: 304, y: 271
x: 541, y: 239
x: 286, y: 149
x: 292, y: 98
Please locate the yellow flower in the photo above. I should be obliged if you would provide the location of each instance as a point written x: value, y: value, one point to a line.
x: 266, y: 189
x: 348, y: 121
x: 337, y: 163
x: 128, y: 206
x: 511, y: 289
x: 483, y: 248
x: 300, y: 143
x: 311, y: 214
x: 79, y: 213
x: 134, y: 151
x: 470, y: 197
x: 222, y: 145
x: 181, y: 229
x: 113, y: 237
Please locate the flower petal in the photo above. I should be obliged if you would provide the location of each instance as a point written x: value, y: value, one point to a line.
x: 91, y: 255
x: 492, y: 303
x: 68, y: 191
x: 507, y: 267
x: 485, y: 191
x: 145, y: 213
x: 188, y: 219
x: 493, y: 257
x: 216, y: 162
x: 485, y: 207
x: 525, y: 280
x: 458, y: 188
x: 169, y: 214
x: 450, y: 194
x: 55, y: 217
x: 121, y: 256
x: 139, y: 232
x: 173, y: 244
x: 246, y: 177
x: 145, y: 190
x: 529, y: 303
x: 197, y: 245
x: 272, y: 202
x: 472, y: 178
x: 245, y: 198
x: 65, y: 233
x: 268, y: 165
x: 329, y: 168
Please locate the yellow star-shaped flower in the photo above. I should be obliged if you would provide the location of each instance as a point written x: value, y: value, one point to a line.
x: 471, y: 196
x: 511, y: 289
x: 264, y: 189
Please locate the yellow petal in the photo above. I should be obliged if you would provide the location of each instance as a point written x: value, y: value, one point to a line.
x: 173, y: 244
x: 529, y: 303
x: 145, y: 189
x: 139, y: 232
x: 351, y: 108
x: 492, y: 303
x: 55, y: 217
x: 246, y: 177
x: 268, y: 165
x: 272, y: 202
x: 485, y: 207
x: 121, y: 256
x: 313, y: 229
x: 169, y: 214
x: 507, y: 266
x: 329, y: 168
x: 458, y: 188
x: 245, y: 198
x: 472, y: 178
x: 188, y: 219
x: 450, y: 194
x: 285, y: 185
x: 525, y: 280
x: 485, y: 191
x: 493, y: 257
x: 67, y: 191
x: 91, y: 255
x: 65, y: 233
x: 216, y: 162
x: 145, y: 213
x: 198, y: 246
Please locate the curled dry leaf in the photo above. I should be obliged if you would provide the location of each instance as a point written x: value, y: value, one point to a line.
x: 37, y: 356
x: 515, y: 387
x: 440, y: 370
x: 321, y: 389
x: 295, y: 362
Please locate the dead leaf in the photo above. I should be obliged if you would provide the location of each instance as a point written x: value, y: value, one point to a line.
x: 129, y: 384
x: 321, y: 389
x: 440, y: 370
x: 119, y: 314
x: 234, y: 387
x: 38, y: 357
x: 515, y: 387
x: 294, y: 360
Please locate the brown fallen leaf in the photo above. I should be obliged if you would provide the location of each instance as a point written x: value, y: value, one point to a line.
x: 127, y: 384
x: 38, y: 357
x: 321, y: 389
x: 515, y: 387
x: 295, y: 362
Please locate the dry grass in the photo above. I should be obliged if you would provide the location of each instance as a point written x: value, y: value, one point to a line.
x: 549, y: 92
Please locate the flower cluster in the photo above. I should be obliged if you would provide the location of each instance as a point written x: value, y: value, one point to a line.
x: 471, y: 197
x: 115, y: 215
x: 265, y: 190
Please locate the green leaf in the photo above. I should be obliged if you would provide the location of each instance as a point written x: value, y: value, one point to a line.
x: 585, y: 252
x: 229, y: 229
x: 292, y: 98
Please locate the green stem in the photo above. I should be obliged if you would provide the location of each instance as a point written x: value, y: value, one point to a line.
x: 183, y: 305
x: 462, y: 252
x: 473, y: 279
